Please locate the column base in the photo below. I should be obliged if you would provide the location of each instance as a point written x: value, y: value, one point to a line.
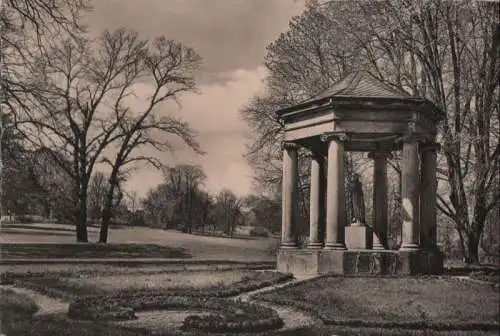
x: 377, y: 244
x: 335, y: 246
x: 305, y: 261
x: 359, y: 262
x: 314, y: 245
x: 288, y: 245
x: 409, y: 247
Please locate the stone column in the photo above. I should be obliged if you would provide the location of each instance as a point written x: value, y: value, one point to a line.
x: 410, y: 195
x: 335, y: 208
x: 380, y: 199
x: 289, y: 195
x: 428, y: 194
x: 315, y: 200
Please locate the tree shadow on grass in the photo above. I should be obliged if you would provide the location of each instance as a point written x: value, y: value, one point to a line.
x: 40, y: 232
x: 34, y: 227
x: 90, y: 250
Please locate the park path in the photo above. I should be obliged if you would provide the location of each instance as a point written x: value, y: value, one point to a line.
x: 292, y: 317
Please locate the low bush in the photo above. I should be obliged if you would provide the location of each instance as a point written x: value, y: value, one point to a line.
x: 226, y: 316
x: 492, y: 276
x: 14, y: 307
x: 240, y: 317
x: 20, y: 304
x: 152, y: 299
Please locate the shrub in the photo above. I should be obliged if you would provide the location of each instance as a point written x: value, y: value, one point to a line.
x: 243, y: 317
x: 14, y: 307
x: 19, y: 304
x: 492, y: 276
x: 230, y: 316
x: 105, y: 310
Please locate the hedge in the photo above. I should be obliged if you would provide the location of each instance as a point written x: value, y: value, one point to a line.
x: 231, y: 316
x: 491, y: 276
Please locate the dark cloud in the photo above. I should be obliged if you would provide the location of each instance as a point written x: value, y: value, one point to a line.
x: 228, y: 34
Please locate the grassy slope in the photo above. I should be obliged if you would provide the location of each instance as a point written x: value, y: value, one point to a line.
x: 396, y: 299
x: 197, y: 246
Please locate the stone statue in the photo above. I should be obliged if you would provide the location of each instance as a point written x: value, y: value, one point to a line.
x: 358, y: 200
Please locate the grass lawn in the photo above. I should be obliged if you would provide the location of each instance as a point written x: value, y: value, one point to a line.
x: 393, y: 299
x: 75, y: 286
x: 196, y: 246
x: 202, y: 279
x: 68, y: 285
x: 48, y: 251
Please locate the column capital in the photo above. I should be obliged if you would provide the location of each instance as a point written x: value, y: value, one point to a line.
x: 335, y: 136
x: 289, y: 145
x: 315, y: 155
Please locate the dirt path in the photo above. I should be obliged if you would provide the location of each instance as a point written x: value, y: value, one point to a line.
x: 292, y: 317
x: 157, y: 320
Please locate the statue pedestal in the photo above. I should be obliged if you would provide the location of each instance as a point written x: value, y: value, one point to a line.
x: 358, y: 236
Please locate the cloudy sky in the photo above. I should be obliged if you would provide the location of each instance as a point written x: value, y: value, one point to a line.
x: 231, y: 37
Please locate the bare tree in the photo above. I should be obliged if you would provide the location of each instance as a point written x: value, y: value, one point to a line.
x: 24, y: 27
x: 170, y: 65
x: 456, y: 47
x: 446, y: 51
x: 86, y: 106
x: 96, y: 193
x: 302, y: 63
x: 184, y: 185
x: 228, y: 207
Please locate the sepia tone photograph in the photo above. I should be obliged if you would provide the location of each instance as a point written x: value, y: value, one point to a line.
x: 249, y: 167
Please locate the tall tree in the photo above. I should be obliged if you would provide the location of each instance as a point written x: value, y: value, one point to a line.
x: 87, y: 104
x: 96, y: 195
x: 185, y: 182
x: 25, y: 26
x: 228, y: 209
x: 170, y: 66
x: 267, y: 211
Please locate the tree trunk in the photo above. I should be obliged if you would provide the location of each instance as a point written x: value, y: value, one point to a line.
x: 108, y: 207
x: 472, y: 257
x: 81, y: 218
x: 106, y: 218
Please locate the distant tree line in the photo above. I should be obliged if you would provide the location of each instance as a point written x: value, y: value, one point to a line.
x: 182, y: 202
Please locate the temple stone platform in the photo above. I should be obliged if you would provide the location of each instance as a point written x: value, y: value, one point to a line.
x: 302, y: 261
